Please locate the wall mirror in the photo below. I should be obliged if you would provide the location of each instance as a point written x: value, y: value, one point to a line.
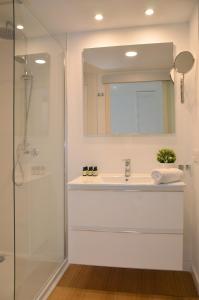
x: 128, y: 90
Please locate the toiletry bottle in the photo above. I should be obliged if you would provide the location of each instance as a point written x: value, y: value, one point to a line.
x: 85, y: 171
x: 90, y: 171
x: 95, y: 171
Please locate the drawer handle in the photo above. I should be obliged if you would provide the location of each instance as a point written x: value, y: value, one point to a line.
x: 141, y: 190
x: 126, y: 230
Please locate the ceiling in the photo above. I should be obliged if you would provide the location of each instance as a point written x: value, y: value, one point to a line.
x: 61, y: 16
x: 150, y: 57
x: 32, y: 27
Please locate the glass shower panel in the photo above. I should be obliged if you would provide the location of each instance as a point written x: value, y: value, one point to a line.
x: 39, y: 155
x: 6, y: 152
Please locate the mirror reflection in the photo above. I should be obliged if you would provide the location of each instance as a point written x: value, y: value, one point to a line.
x: 32, y: 92
x: 128, y: 90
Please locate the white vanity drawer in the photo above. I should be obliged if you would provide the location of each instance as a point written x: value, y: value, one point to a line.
x: 127, y: 209
x: 148, y: 251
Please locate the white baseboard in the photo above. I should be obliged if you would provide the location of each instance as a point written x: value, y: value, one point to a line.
x: 187, y: 266
x: 195, y: 278
x: 50, y: 286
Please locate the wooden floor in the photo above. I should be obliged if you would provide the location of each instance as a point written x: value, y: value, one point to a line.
x: 103, y: 283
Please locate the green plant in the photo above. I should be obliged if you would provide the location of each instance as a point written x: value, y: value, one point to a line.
x: 166, y: 156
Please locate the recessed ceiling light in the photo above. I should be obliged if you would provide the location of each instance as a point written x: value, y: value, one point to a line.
x: 20, y: 27
x: 131, y: 53
x: 99, y: 17
x: 149, y: 12
x: 40, y: 61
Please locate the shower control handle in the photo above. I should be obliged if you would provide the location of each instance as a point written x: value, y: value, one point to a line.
x: 32, y: 151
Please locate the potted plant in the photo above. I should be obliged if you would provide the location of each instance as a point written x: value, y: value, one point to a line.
x: 166, y: 157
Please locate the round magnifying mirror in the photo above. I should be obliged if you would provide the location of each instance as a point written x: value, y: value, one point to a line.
x: 184, y: 62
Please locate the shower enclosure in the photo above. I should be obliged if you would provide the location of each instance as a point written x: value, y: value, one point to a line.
x: 32, y: 198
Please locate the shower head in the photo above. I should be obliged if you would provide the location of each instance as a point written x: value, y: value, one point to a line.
x: 7, y: 32
x: 2, y: 258
x: 6, y: 2
x: 21, y: 59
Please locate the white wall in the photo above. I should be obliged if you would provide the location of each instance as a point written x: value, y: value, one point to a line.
x: 107, y: 152
x: 194, y: 108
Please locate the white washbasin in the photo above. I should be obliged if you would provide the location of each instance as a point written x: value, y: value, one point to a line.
x: 118, y: 179
x: 118, y: 182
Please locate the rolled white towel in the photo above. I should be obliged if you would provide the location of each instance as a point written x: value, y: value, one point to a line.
x: 167, y: 175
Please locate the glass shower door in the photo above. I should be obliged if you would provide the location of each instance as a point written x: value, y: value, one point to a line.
x: 39, y: 155
x: 6, y: 152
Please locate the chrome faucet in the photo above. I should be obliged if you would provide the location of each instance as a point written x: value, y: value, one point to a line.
x: 127, y: 168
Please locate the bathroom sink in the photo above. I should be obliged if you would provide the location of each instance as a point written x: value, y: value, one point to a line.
x: 139, y: 182
x: 122, y: 180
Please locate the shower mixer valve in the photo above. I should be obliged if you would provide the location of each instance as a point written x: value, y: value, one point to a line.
x: 28, y: 149
x: 33, y: 151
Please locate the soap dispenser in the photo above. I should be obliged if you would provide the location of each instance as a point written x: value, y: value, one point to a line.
x: 85, y: 171
x: 90, y: 171
x: 95, y: 171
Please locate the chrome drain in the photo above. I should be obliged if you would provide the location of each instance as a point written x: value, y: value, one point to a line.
x: 2, y: 258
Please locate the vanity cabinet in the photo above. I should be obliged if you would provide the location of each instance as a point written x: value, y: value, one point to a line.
x: 134, y: 229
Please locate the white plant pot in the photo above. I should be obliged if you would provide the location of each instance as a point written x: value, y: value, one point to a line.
x: 167, y: 165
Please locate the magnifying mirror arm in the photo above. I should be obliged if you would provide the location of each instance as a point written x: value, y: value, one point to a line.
x: 182, y: 88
